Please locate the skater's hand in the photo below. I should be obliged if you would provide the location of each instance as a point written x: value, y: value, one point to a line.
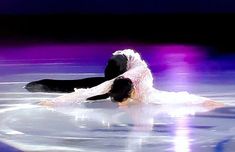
x: 212, y: 104
x: 39, y: 86
x: 46, y: 103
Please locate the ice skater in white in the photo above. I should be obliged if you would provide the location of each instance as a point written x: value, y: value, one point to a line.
x: 132, y: 87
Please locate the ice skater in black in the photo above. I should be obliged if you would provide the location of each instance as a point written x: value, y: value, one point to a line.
x: 116, y: 66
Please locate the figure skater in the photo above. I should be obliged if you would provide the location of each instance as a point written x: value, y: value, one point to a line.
x: 132, y: 87
x: 116, y: 66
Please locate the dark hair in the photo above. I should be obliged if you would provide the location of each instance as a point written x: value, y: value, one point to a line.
x: 121, y: 89
x: 117, y: 65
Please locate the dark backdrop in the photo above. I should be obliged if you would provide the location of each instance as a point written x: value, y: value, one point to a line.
x: 200, y: 22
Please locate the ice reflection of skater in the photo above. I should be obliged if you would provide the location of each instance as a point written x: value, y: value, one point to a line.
x: 133, y: 86
x: 140, y: 133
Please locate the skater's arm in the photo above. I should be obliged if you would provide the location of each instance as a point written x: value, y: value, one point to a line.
x: 79, y: 96
x: 63, y: 86
x: 210, y: 104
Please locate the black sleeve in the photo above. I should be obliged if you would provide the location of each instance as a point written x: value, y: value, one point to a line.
x: 50, y: 85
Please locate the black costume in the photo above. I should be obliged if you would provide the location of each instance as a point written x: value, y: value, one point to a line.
x: 117, y: 65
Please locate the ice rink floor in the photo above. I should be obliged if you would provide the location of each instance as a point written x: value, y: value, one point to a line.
x: 104, y: 127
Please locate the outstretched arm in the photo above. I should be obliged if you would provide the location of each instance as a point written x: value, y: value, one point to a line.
x: 184, y: 98
x: 63, y: 86
x: 79, y: 96
x: 210, y: 104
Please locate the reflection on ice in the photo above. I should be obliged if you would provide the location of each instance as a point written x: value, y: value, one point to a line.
x: 130, y: 128
x: 181, y: 139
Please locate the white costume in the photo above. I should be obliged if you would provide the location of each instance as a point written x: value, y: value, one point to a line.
x: 141, y: 76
